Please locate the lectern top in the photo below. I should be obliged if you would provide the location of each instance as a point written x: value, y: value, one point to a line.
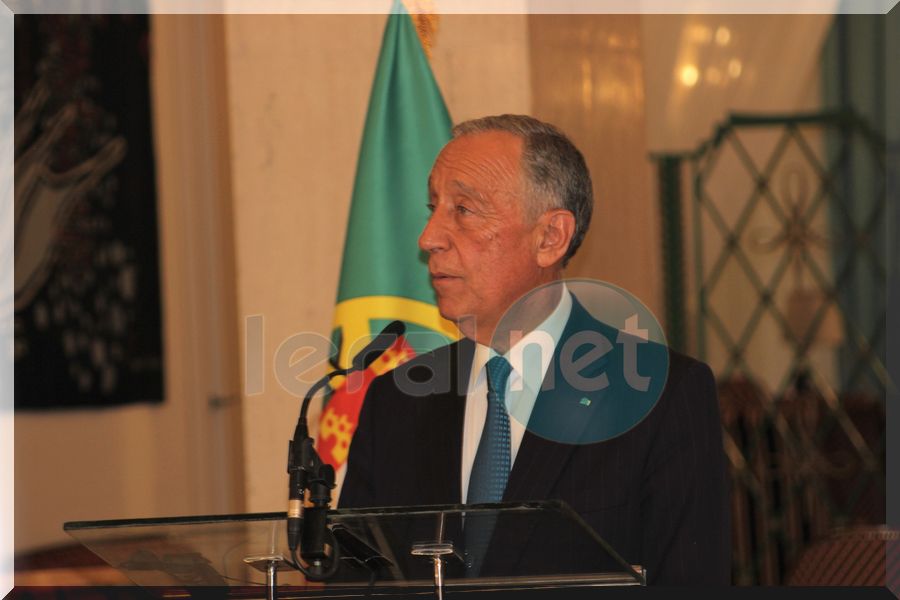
x: 490, y: 544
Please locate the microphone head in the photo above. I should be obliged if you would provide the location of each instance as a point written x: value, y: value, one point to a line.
x: 395, y: 328
x: 377, y: 346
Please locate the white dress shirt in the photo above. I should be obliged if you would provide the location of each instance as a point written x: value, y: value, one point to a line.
x: 529, y: 358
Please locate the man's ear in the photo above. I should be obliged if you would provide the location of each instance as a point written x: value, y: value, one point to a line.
x: 554, y: 230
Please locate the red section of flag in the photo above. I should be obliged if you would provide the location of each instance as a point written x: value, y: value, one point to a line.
x: 340, y: 415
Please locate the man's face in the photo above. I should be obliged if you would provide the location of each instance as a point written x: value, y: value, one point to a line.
x: 481, y: 247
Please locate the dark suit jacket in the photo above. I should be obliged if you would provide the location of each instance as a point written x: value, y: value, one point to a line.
x: 656, y: 493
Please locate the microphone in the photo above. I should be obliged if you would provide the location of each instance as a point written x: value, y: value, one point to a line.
x: 377, y: 347
x: 307, y: 471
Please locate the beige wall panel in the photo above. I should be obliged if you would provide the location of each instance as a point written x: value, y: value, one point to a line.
x: 587, y: 78
x: 298, y: 87
x: 481, y: 64
x: 88, y: 465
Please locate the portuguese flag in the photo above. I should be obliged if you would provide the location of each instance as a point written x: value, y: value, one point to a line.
x: 383, y: 275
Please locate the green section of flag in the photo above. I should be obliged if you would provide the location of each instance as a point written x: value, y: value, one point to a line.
x: 406, y: 126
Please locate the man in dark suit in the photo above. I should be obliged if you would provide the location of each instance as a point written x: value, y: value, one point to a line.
x: 511, y: 201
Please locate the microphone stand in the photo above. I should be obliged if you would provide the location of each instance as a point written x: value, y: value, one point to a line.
x: 307, y: 527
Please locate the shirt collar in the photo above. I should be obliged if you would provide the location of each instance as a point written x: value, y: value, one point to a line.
x: 528, y: 368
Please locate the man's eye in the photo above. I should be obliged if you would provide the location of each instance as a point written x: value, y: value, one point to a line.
x: 430, y: 207
x: 463, y: 210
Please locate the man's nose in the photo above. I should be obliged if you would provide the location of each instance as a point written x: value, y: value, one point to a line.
x: 434, y: 237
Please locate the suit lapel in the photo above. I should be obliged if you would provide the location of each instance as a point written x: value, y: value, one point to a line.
x: 540, y: 460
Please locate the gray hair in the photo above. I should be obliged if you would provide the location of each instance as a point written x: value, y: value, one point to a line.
x: 556, y: 174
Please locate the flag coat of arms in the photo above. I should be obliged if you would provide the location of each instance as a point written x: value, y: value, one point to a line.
x: 383, y: 275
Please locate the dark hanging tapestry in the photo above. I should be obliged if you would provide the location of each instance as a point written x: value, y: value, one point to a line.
x: 87, y: 293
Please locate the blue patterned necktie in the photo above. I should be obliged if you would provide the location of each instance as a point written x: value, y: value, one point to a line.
x: 490, y: 471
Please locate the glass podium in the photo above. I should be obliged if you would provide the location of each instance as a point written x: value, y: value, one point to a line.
x: 399, y: 550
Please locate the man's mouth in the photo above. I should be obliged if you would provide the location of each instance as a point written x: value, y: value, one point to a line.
x: 440, y: 276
